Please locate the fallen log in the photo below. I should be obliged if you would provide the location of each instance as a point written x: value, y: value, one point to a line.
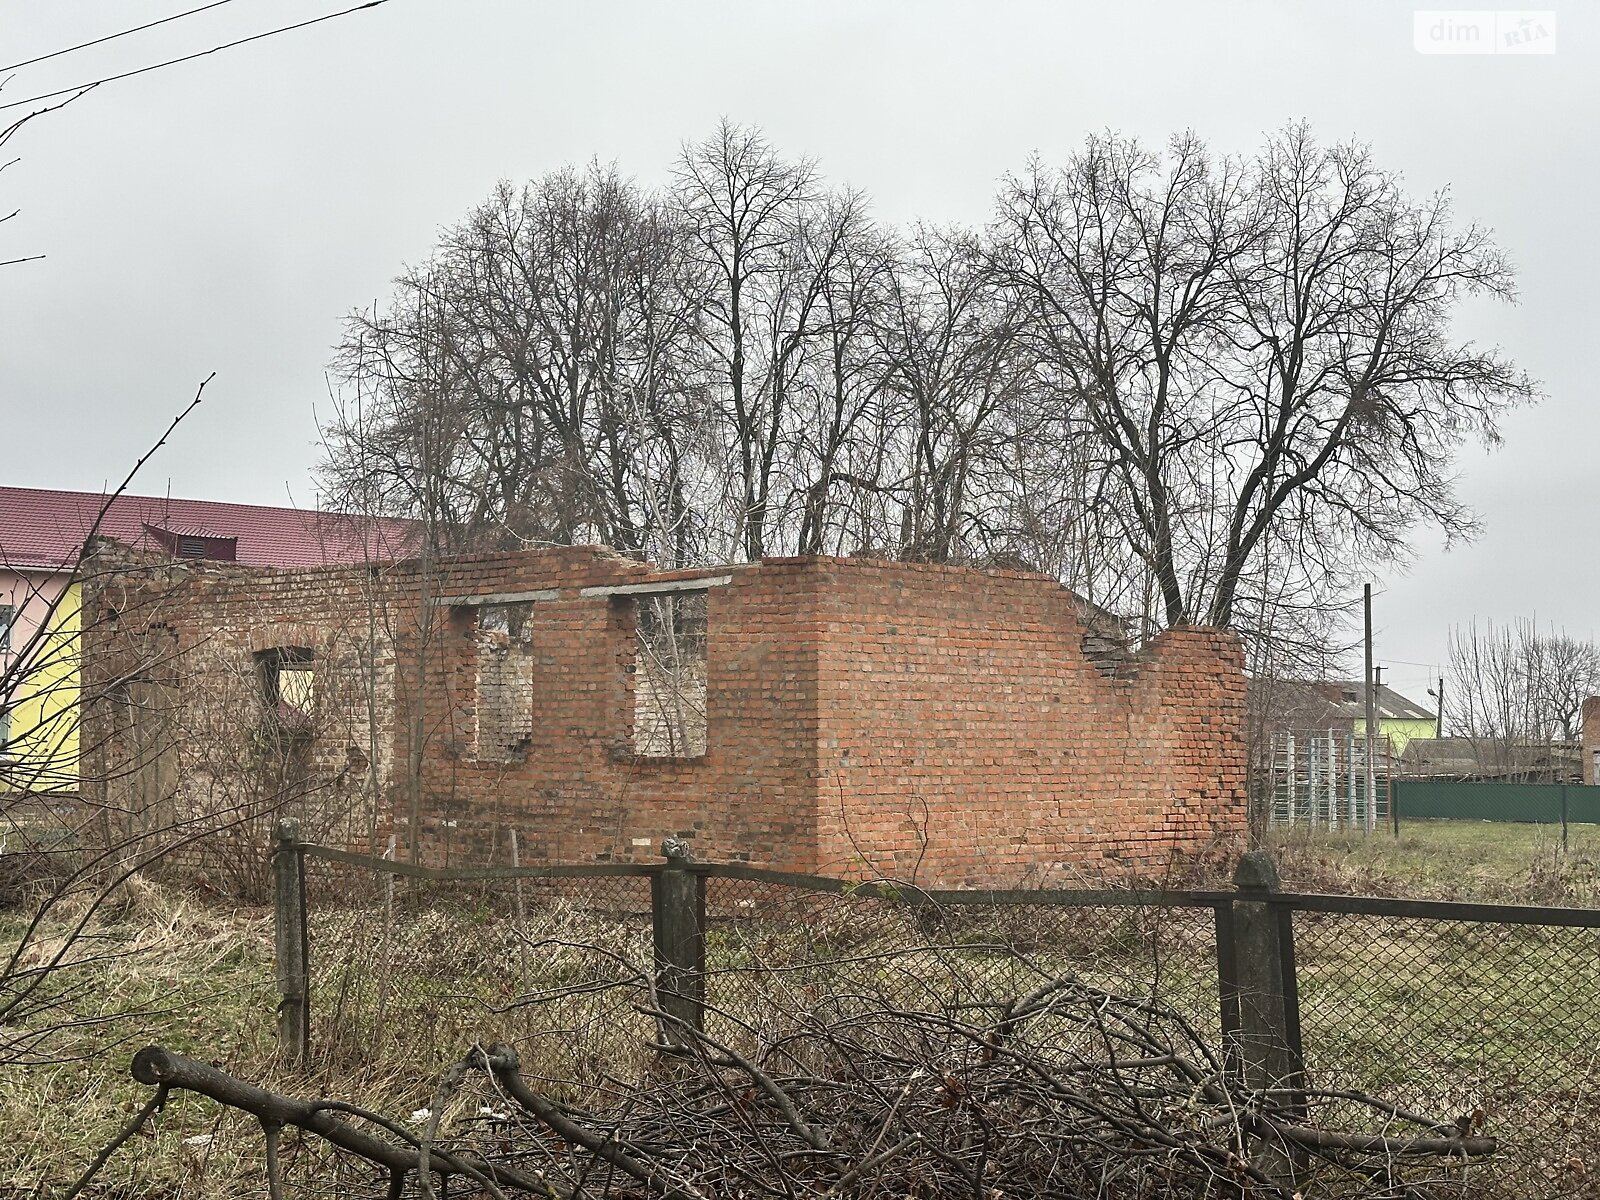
x: 169, y: 1070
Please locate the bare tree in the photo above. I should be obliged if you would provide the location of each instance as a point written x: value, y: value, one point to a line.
x: 1565, y: 671
x: 9, y: 130
x: 532, y: 376
x: 1515, y: 690
x: 750, y: 213
x: 1196, y: 389
x: 955, y: 374
x: 1259, y: 348
x: 837, y: 457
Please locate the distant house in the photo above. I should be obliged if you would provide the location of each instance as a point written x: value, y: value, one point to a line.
x: 1338, y: 705
x: 1490, y: 760
x: 42, y: 537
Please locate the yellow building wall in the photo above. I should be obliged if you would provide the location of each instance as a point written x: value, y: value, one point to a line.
x: 43, y: 751
x: 1399, y: 731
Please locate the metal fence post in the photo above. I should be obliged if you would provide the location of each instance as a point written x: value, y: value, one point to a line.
x: 1388, y: 790
x: 290, y: 942
x: 1563, y: 818
x: 1350, y: 774
x: 678, y: 915
x: 1268, y: 1036
x: 1227, y: 981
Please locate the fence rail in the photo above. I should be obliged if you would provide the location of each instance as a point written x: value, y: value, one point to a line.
x: 407, y: 870
x: 1450, y: 1007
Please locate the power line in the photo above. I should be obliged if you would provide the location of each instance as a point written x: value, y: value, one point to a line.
x: 110, y: 37
x: 171, y: 62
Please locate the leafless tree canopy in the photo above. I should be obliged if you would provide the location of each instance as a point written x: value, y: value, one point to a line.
x: 1514, y: 688
x: 1197, y: 388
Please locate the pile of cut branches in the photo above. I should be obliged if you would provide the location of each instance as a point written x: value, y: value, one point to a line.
x: 1068, y: 1091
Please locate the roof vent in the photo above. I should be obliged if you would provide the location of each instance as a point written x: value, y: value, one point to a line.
x: 194, y: 543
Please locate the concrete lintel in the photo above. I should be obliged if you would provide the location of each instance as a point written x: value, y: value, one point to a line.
x: 498, y: 598
x: 671, y: 585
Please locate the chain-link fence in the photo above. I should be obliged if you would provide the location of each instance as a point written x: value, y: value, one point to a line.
x: 1492, y: 1023
x: 1484, y: 1017
x: 773, y: 946
x: 417, y: 968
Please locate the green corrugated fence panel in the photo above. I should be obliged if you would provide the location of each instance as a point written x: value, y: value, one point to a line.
x: 1533, y: 802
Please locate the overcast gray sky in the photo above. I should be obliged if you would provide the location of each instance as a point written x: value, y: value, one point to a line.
x: 223, y: 214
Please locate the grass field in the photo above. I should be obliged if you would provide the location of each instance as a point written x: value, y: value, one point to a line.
x: 1382, y: 1000
x: 1458, y: 1016
x: 161, y: 967
x: 1453, y: 860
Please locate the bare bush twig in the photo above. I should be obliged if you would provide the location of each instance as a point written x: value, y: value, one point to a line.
x: 1070, y: 1090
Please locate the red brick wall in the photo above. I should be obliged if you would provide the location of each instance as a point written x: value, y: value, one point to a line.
x: 966, y: 738
x: 864, y: 717
x: 174, y: 728
x: 579, y: 794
x: 1591, y: 737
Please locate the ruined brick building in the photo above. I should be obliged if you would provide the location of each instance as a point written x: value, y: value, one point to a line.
x: 815, y: 714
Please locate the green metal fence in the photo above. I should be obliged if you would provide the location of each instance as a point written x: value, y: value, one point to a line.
x: 1530, y: 803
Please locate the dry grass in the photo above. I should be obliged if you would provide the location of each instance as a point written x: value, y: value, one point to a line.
x: 1496, y: 861
x: 159, y: 966
x: 164, y: 966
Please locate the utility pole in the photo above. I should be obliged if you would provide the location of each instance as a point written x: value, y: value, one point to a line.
x: 1372, y: 717
x: 1438, y: 722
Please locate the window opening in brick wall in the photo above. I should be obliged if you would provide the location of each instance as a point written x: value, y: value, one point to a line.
x: 288, y: 680
x: 669, y: 676
x: 504, y: 700
x: 8, y: 616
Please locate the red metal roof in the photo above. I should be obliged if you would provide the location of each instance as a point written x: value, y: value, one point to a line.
x: 42, y: 528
